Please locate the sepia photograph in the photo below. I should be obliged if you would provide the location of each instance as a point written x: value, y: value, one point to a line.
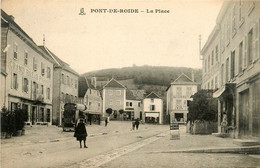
x: 130, y: 84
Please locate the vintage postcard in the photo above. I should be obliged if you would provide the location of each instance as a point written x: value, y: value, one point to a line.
x: 130, y: 83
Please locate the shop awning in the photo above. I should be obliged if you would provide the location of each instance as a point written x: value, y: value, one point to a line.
x: 92, y: 112
x: 152, y: 114
x: 227, y: 89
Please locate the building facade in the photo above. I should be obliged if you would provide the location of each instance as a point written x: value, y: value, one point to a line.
x: 65, y: 86
x: 134, y: 105
x: 114, y: 97
x: 153, y: 108
x: 178, y: 93
x: 26, y: 73
x: 231, y: 67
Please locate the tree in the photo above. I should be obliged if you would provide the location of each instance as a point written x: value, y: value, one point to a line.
x: 203, y: 107
x: 109, y: 111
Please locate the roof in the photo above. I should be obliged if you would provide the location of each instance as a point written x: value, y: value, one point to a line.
x: 114, y: 84
x: 83, y: 87
x: 8, y: 19
x: 182, y: 80
x: 153, y: 95
x: 58, y: 61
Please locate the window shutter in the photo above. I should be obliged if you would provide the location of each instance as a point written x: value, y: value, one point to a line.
x: 245, y: 52
x: 256, y: 41
x: 236, y: 66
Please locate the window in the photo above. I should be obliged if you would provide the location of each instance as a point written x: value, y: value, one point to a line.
x: 25, y: 85
x: 212, y: 57
x: 205, y: 65
x: 216, y: 82
x: 110, y: 102
x: 227, y: 70
x: 71, y: 82
x: 48, y: 93
x: 234, y: 20
x: 118, y: 102
x: 98, y: 105
x: 250, y: 47
x: 212, y: 85
x: 76, y: 99
x: 152, y: 100
x: 139, y: 104
x: 118, y: 92
x: 34, y: 64
x: 68, y: 80
x: 178, y: 104
x: 179, y: 92
x: 42, y: 69
x: 241, y: 57
x: 89, y: 105
x: 15, y: 81
x: 208, y: 62
x: 25, y: 58
x: 222, y: 74
x: 42, y: 89
x: 131, y: 104
x: 188, y: 92
x: 152, y: 107
x: 48, y: 72
x: 62, y: 79
x: 15, y: 51
x: 216, y: 54
x: 127, y: 103
x: 240, y: 12
x: 89, y: 91
x: 232, y: 68
x: 62, y: 97
x: 76, y: 83
x: 110, y: 92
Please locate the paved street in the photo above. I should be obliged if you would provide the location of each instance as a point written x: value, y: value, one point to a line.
x: 117, y: 146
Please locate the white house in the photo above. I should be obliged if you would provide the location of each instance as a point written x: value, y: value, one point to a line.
x: 153, y: 108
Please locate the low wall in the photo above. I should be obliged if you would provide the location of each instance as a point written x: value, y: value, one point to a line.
x: 206, y: 127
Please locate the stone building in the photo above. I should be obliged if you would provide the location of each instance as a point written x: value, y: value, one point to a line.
x: 65, y: 86
x: 178, y: 93
x: 114, y: 97
x: 231, y: 67
x: 26, y: 73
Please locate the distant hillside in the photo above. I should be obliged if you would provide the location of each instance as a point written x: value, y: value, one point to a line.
x: 146, y: 75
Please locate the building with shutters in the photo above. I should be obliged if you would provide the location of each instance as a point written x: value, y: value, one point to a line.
x: 26, y: 73
x: 114, y: 97
x: 153, y: 108
x: 231, y: 67
x: 178, y: 93
x: 65, y: 86
x: 134, y: 104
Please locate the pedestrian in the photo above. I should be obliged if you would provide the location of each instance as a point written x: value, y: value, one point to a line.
x: 81, y: 133
x: 133, y: 124
x: 106, y: 121
x: 137, y: 123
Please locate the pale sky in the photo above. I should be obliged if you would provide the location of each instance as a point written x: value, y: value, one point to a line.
x: 113, y: 40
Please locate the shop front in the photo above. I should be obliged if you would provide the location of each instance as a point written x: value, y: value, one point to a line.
x: 152, y: 117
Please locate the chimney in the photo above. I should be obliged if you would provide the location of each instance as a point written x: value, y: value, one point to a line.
x: 12, y: 17
x: 192, y: 75
x: 94, y: 81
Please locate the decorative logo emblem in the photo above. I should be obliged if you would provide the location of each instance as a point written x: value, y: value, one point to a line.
x: 82, y: 12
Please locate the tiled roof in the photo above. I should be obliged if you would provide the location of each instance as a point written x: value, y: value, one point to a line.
x: 58, y: 61
x: 114, y: 84
x: 83, y: 87
x: 152, y: 95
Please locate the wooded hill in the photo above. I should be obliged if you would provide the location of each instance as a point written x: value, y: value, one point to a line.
x: 146, y: 75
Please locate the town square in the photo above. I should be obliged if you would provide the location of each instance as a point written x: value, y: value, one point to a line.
x: 130, y: 84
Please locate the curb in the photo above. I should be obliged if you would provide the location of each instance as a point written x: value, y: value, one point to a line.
x: 240, y: 150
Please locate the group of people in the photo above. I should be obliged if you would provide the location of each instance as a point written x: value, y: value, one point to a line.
x: 135, y: 124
